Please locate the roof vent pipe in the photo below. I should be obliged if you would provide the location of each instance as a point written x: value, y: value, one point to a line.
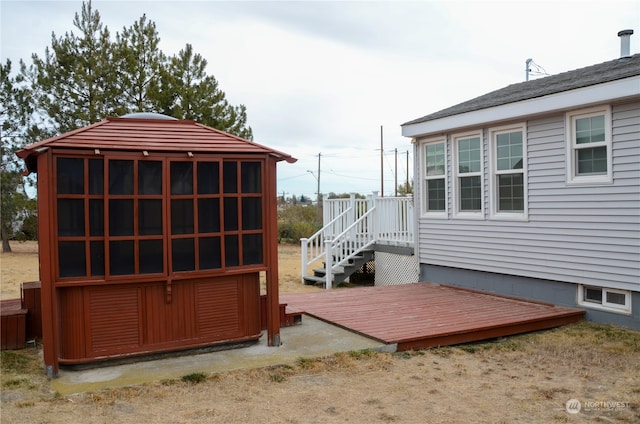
x: 625, y: 42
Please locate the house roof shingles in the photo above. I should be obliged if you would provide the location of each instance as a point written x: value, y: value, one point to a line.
x: 591, y: 75
x: 163, y: 135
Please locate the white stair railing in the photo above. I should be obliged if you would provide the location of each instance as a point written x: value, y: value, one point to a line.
x: 344, y: 247
x: 313, y: 248
x: 352, y: 225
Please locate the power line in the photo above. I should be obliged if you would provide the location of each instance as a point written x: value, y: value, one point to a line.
x: 350, y: 176
x: 292, y: 177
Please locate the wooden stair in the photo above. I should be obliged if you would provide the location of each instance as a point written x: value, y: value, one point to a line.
x: 288, y: 316
x: 319, y: 275
x: 21, y: 321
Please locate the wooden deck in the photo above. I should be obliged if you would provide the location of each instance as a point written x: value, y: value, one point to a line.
x: 422, y: 315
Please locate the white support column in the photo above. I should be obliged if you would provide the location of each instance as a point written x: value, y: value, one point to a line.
x: 354, y: 212
x: 326, y: 211
x: 328, y: 263
x: 303, y: 242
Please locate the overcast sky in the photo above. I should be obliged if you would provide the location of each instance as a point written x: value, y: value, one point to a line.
x: 323, y: 77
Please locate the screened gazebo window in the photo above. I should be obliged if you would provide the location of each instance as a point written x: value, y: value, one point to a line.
x: 119, y: 216
x: 121, y: 177
x: 70, y: 178
x: 211, y: 225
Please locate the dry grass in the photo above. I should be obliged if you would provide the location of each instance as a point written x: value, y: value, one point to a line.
x: 18, y: 267
x: 526, y: 378
x: 22, y: 265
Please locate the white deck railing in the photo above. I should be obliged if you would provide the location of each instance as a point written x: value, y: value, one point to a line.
x: 394, y: 221
x: 353, y: 225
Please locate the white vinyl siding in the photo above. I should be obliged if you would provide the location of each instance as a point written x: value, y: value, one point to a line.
x: 583, y: 234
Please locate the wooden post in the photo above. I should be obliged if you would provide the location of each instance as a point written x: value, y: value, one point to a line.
x: 47, y: 267
x: 271, y: 244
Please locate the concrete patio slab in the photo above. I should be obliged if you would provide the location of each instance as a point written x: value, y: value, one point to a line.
x: 311, y: 339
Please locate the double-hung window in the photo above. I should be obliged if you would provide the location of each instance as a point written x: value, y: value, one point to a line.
x: 589, y: 145
x: 468, y: 174
x: 435, y: 181
x: 508, y: 172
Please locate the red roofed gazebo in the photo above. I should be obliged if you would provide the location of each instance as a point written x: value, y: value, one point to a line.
x: 152, y: 235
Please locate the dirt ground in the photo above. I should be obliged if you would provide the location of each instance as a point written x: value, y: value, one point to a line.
x: 528, y: 379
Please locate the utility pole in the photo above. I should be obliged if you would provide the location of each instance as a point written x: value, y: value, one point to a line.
x: 318, y: 198
x: 381, y: 163
x: 317, y: 177
x: 407, y: 191
x: 396, y: 179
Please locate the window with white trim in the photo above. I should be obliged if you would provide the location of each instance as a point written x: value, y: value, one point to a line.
x: 604, y: 298
x: 435, y: 181
x: 508, y: 172
x: 468, y: 170
x: 589, y: 145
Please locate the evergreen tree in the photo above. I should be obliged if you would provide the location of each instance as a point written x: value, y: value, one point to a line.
x: 17, y: 130
x: 139, y: 62
x: 75, y: 78
x: 187, y: 92
x: 83, y: 78
x: 404, y: 190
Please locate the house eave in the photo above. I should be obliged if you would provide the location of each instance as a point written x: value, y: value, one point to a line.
x: 601, y: 93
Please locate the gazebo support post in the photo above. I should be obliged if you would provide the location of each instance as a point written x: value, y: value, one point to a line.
x: 48, y: 291
x: 273, y: 296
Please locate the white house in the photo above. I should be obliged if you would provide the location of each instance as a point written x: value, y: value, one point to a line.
x: 533, y: 191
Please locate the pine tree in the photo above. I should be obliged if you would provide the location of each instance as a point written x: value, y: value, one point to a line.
x: 17, y: 130
x: 139, y: 62
x: 187, y: 92
x: 74, y: 82
x: 83, y: 78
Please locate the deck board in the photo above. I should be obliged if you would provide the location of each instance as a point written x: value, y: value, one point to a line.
x: 422, y: 315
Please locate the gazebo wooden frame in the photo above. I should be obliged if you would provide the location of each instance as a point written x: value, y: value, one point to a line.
x: 152, y: 237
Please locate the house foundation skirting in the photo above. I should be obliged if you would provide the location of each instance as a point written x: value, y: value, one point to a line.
x: 555, y: 292
x: 394, y: 268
